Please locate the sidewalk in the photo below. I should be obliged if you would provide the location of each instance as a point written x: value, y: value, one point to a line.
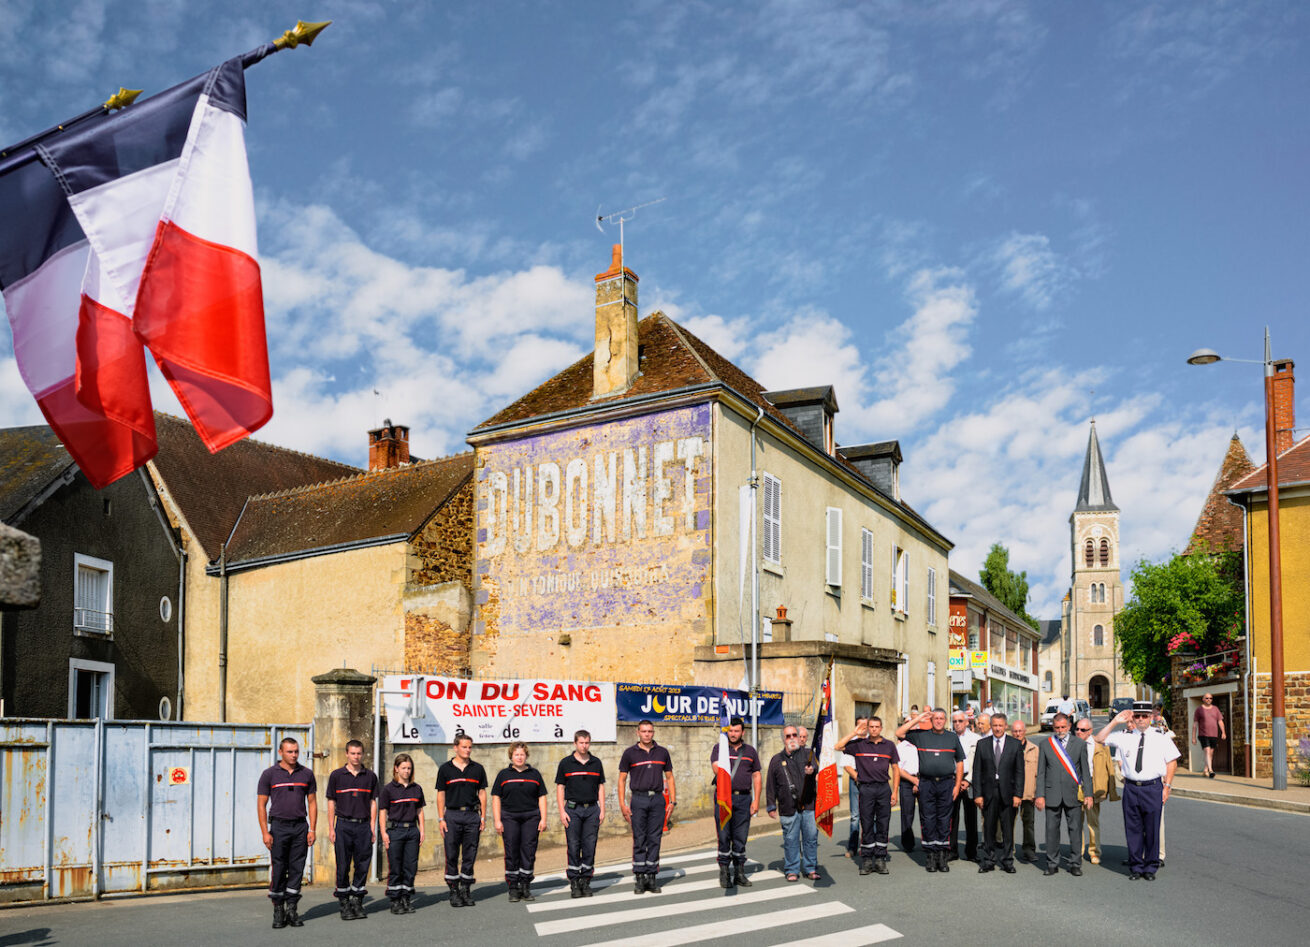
x: 1241, y: 791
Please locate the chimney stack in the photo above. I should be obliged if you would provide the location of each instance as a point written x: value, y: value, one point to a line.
x: 388, y: 446
x: 1284, y: 404
x: 615, y: 362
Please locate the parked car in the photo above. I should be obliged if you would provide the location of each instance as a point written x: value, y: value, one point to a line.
x: 1081, y: 711
x: 1120, y: 704
x: 1052, y: 709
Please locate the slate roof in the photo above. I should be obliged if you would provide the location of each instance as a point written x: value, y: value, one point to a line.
x: 211, y: 489
x: 394, y: 502
x: 960, y: 586
x: 30, y: 458
x: 1049, y: 628
x: 1293, y: 468
x: 1219, y: 527
x: 1094, y: 491
x: 672, y: 358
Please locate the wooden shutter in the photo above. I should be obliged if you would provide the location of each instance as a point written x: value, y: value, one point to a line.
x: 833, y: 570
x: 772, y: 519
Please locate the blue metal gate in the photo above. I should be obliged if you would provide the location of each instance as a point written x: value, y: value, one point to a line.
x: 96, y: 807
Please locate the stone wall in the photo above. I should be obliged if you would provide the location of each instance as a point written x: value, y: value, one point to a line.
x: 443, y: 549
x: 437, y: 620
x: 1296, y: 698
x: 688, y: 745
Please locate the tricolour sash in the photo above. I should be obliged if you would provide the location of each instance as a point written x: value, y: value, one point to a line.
x: 1064, y: 760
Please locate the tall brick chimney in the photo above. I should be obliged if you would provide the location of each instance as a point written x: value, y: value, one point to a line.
x: 388, y: 446
x: 1284, y: 404
x: 615, y: 362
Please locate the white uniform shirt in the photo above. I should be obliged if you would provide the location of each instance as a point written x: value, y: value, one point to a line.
x: 846, y: 761
x: 1158, y: 752
x: 909, y: 758
x: 968, y: 740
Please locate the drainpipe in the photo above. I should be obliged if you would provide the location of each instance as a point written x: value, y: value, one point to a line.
x: 755, y: 587
x: 181, y: 633
x: 222, y: 633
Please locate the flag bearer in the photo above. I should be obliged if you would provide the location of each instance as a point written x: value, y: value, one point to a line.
x: 941, y: 775
x: 518, y: 806
x: 400, y: 813
x: 879, y: 778
x: 352, y: 813
x: 461, y: 815
x: 288, y: 814
x: 744, y: 765
x: 580, y: 794
x: 653, y: 797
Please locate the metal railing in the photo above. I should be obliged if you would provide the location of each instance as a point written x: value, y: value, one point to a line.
x: 89, y: 619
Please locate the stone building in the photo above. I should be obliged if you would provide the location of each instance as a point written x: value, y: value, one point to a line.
x: 1092, y: 669
x: 627, y: 506
x: 1251, y: 494
x: 1050, y: 659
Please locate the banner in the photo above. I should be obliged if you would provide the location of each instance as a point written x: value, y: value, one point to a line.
x: 978, y: 659
x: 673, y: 703
x: 534, y: 711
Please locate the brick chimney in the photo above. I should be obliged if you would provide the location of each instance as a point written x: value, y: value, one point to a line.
x: 388, y: 446
x: 615, y: 362
x: 1284, y: 404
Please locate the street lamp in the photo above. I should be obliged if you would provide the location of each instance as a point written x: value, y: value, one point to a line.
x: 1279, y: 733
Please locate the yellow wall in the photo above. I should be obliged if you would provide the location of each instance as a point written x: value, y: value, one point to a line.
x: 1294, y: 543
x: 799, y: 585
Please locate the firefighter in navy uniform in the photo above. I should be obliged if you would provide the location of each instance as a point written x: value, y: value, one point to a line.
x: 744, y: 765
x: 288, y: 814
x: 400, y: 812
x: 653, y: 796
x: 518, y: 806
x: 941, y: 774
x: 878, y: 775
x: 580, y: 795
x: 352, y: 813
x: 461, y: 815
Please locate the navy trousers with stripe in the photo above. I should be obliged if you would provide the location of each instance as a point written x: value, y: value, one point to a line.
x: 733, y: 834
x: 647, y: 832
x: 354, y: 848
x: 935, y: 813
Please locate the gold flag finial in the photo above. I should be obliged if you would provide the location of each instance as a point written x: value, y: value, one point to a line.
x: 121, y: 99
x: 303, y: 33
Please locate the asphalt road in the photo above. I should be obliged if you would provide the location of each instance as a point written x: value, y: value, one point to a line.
x: 1233, y: 875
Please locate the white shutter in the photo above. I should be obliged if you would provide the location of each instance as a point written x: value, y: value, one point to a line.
x: 833, y: 571
x: 772, y: 519
x: 905, y: 578
x: 866, y: 564
x: 932, y: 597
x: 896, y: 580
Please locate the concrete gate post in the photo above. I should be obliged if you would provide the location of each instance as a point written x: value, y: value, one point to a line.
x: 343, y: 711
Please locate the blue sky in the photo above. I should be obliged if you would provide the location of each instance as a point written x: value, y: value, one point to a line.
x: 984, y: 223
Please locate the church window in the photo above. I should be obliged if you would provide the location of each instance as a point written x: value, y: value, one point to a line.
x: 1048, y: 682
x: 1089, y: 553
x: 1105, y: 552
x: 1098, y: 636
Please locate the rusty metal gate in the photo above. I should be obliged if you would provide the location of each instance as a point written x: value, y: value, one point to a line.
x: 102, y: 807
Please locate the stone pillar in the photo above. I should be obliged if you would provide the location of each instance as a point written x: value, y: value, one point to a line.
x: 343, y: 711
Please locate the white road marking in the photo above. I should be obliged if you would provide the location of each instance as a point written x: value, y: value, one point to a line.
x: 627, y: 897
x: 599, y: 883
x: 855, y: 937
x: 730, y: 928
x: 583, y: 921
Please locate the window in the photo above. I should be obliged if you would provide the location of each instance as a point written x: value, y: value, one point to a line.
x: 1048, y: 682
x: 832, y: 572
x: 932, y: 597
x: 90, y: 690
x: 900, y: 580
x: 772, y: 519
x: 1098, y: 636
x: 1089, y: 553
x: 1105, y: 552
x: 974, y: 631
x: 866, y: 565
x: 1025, y: 653
x: 93, y: 595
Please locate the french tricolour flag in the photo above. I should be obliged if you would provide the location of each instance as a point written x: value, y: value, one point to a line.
x: 827, y: 785
x: 131, y: 231
x: 723, y: 767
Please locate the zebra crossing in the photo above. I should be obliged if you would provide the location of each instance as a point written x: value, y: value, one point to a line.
x: 691, y: 908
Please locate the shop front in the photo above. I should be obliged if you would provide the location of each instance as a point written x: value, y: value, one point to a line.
x: 1014, y: 693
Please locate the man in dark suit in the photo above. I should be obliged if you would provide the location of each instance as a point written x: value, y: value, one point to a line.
x: 997, y: 786
x: 1064, y: 787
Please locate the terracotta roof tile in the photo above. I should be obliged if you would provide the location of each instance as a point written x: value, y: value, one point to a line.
x: 1219, y: 527
x: 30, y: 457
x: 1293, y: 467
x: 395, y: 501
x: 210, y: 489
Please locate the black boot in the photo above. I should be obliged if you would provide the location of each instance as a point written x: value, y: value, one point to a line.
x: 880, y: 866
x: 409, y: 904
x: 725, y: 876
x: 396, y: 906
x: 943, y: 861
x: 293, y: 916
x: 279, y: 915
x: 639, y: 885
x: 347, y: 912
x: 525, y: 890
x: 456, y: 896
x: 586, y: 886
x: 357, y: 907
x: 514, y: 894
x: 866, y: 865
x: 575, y: 887
x: 930, y: 860
x: 653, y: 884
x: 468, y: 894
x: 742, y: 880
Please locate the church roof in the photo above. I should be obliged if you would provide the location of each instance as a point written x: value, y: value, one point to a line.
x: 1050, y: 630
x: 1219, y: 527
x: 1094, y: 491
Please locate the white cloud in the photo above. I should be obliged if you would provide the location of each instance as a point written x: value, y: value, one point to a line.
x: 1030, y: 269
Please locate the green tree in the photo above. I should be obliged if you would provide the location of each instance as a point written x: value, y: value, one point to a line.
x: 1194, y: 594
x: 1010, y: 587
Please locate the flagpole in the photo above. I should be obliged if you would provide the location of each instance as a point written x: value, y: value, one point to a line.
x: 301, y: 34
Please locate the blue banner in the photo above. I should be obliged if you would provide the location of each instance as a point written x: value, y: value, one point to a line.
x: 672, y: 703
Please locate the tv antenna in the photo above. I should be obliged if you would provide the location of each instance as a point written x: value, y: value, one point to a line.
x: 620, y: 217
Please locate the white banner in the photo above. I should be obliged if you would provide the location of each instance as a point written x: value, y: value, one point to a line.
x: 534, y: 711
